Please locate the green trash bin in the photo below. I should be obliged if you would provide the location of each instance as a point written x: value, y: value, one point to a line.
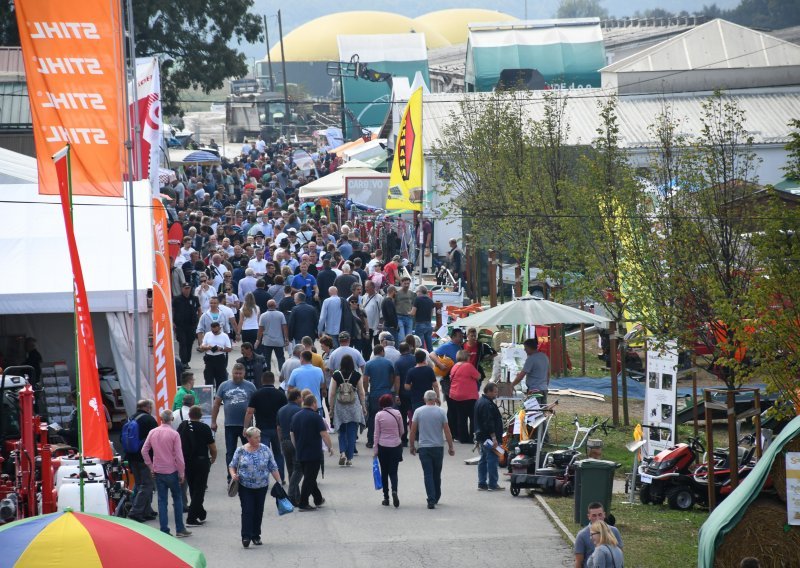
x: 594, y: 481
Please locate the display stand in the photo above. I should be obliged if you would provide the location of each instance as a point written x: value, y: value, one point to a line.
x: 634, y: 446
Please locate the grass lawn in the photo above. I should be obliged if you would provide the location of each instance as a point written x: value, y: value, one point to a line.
x: 654, y: 535
x: 595, y: 367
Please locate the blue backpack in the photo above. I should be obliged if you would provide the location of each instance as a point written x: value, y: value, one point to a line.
x: 130, y: 439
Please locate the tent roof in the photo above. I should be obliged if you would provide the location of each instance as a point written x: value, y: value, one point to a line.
x: 17, y: 168
x: 332, y: 185
x: 717, y: 44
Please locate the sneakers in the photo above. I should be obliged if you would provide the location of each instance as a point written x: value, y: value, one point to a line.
x: 197, y: 523
x: 306, y: 508
x: 348, y: 463
x: 483, y: 488
x: 431, y: 505
x: 369, y: 445
x: 257, y: 542
x: 246, y: 542
x: 498, y: 488
x: 342, y: 459
x: 183, y: 534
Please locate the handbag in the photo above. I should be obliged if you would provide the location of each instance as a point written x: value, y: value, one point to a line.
x: 376, y: 473
x: 233, y: 487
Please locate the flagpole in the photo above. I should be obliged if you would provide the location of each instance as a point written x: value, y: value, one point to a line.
x: 132, y: 147
x: 66, y: 151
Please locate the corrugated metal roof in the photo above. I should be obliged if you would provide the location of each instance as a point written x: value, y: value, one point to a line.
x: 767, y: 114
x: 718, y: 44
x: 15, y: 109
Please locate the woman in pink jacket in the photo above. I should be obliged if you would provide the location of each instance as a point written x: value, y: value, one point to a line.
x: 389, y: 429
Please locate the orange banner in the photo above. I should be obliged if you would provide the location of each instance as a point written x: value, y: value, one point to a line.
x: 93, y: 430
x: 74, y: 70
x: 163, y: 347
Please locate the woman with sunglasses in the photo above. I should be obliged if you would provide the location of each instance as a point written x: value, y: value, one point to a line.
x: 607, y: 553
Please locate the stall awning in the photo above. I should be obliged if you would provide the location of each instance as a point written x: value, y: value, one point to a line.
x: 332, y: 185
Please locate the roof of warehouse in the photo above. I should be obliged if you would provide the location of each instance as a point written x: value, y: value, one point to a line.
x: 767, y: 113
x: 717, y: 44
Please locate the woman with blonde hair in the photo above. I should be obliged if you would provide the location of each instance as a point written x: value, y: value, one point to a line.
x: 248, y: 319
x: 607, y: 553
x: 251, y: 466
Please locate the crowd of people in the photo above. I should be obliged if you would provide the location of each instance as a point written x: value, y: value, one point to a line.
x: 331, y: 337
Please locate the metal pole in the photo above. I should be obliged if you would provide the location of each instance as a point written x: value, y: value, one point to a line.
x: 132, y: 146
x: 269, y: 57
x: 712, y: 495
x: 492, y: 279
x: 283, y: 68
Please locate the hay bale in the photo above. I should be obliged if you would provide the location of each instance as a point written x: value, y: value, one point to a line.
x: 778, y: 471
x: 761, y: 534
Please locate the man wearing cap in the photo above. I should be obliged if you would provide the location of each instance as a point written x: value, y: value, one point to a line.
x: 294, y: 245
x: 386, y: 339
x: 185, y: 313
x: 215, y: 345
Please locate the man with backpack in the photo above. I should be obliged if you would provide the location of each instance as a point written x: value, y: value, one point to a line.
x: 199, y: 454
x: 134, y: 433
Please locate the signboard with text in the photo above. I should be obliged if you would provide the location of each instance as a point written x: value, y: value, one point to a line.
x: 370, y: 191
x: 661, y: 397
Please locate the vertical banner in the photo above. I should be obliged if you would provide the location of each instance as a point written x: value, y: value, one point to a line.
x: 660, y: 397
x: 94, y: 431
x: 148, y: 101
x: 793, y: 487
x: 163, y: 347
x: 74, y: 70
x: 405, y: 182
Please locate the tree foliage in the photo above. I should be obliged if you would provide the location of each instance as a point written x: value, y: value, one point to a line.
x: 581, y: 9
x: 191, y: 39
x: 792, y: 167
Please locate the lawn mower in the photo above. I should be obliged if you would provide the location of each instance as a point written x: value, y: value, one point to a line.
x: 658, y: 473
x: 556, y: 474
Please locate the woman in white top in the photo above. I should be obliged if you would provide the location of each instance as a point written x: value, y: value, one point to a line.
x: 248, y: 319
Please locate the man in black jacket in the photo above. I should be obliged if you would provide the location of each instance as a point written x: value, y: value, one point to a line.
x: 489, y: 434
x: 389, y: 314
x: 142, y: 509
x: 325, y: 279
x: 303, y: 319
x: 261, y: 295
x: 185, y: 313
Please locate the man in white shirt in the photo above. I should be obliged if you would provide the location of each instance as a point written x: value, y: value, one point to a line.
x: 215, y: 345
x: 245, y: 148
x: 258, y: 265
x: 218, y: 270
x: 377, y: 259
x: 204, y: 293
x: 182, y: 414
x: 248, y: 283
x: 371, y: 304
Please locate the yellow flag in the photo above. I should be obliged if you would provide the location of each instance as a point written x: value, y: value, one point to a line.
x: 405, y: 182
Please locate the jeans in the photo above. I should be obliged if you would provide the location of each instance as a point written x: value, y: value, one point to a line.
x: 143, y: 492
x: 252, y: 502
x: 295, y: 471
x: 389, y: 459
x: 425, y: 333
x: 267, y: 351
x: 232, y: 433
x: 347, y: 438
x: 405, y: 326
x: 197, y: 470
x: 270, y: 437
x: 431, y: 460
x: 310, y: 488
x: 168, y: 482
x: 395, y: 333
x: 487, y: 465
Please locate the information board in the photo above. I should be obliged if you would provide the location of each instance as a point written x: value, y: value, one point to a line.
x: 371, y: 191
x: 661, y: 397
x: 793, y: 487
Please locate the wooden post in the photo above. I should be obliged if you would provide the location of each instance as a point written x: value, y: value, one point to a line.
x: 625, y: 419
x: 583, y: 344
x: 712, y: 494
x: 733, y: 441
x: 518, y: 280
x: 694, y: 401
x: 438, y: 306
x: 492, y: 279
x: 612, y: 337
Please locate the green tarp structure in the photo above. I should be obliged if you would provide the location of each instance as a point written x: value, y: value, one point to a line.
x: 728, y: 513
x: 567, y: 53
x: 401, y: 55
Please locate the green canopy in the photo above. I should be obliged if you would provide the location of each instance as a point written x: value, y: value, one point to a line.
x: 722, y: 520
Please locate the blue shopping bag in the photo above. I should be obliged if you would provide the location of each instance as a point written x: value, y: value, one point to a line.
x: 284, y: 506
x: 376, y: 473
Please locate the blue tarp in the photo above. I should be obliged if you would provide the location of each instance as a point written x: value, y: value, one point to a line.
x: 603, y: 386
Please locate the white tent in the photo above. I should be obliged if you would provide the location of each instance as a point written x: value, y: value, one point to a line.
x: 332, y: 185
x: 36, y: 298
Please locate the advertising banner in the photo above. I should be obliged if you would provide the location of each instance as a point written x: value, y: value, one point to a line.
x: 93, y: 429
x: 148, y: 100
x: 661, y: 397
x: 793, y: 487
x: 370, y: 191
x: 405, y: 183
x: 74, y: 70
x: 163, y: 349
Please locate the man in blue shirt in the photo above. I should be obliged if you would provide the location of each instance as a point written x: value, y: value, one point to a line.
x: 346, y: 248
x: 306, y: 283
x: 330, y: 317
x: 307, y: 376
x: 308, y: 431
x: 234, y: 394
x: 379, y: 379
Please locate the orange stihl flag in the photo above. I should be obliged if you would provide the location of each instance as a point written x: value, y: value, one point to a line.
x: 163, y: 352
x: 74, y: 70
x: 93, y: 427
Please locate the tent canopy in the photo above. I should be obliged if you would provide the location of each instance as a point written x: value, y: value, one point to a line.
x: 332, y: 185
x: 195, y: 157
x: 17, y: 168
x: 529, y: 311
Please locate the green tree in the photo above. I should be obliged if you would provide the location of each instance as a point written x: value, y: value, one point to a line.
x: 792, y: 168
x: 581, y: 9
x: 9, y: 34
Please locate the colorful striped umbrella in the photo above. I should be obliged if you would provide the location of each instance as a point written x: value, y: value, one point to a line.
x: 89, y: 541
